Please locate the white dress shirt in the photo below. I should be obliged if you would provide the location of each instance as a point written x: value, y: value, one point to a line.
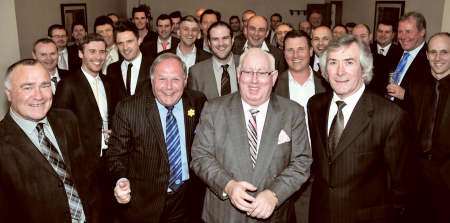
x: 301, y: 93
x: 112, y: 55
x: 263, y: 46
x: 134, y: 72
x: 189, y: 58
x: 383, y: 50
x: 412, y: 54
x: 159, y: 44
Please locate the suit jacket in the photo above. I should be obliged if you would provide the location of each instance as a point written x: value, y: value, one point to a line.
x: 280, y: 63
x: 30, y: 190
x: 282, y: 86
x: 221, y: 153
x: 383, y: 65
x: 200, y: 54
x: 150, y: 48
x: 115, y: 78
x: 201, y: 77
x: 366, y: 176
x: 74, y: 59
x: 151, y: 36
x: 138, y: 152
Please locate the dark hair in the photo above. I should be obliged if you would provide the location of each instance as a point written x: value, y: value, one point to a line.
x: 277, y: 15
x: 142, y: 8
x: 112, y: 13
x: 217, y: 24
x: 53, y: 27
x: 189, y: 18
x: 123, y: 26
x: 365, y: 26
x: 78, y: 24
x: 163, y: 17
x: 234, y: 17
x: 339, y: 25
x: 103, y: 20
x: 45, y: 40
x: 387, y: 23
x: 297, y: 34
x: 175, y: 14
x: 92, y: 37
x: 210, y: 12
x: 350, y: 24
x: 312, y: 12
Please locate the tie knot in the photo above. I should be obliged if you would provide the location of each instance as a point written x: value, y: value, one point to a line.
x: 225, y: 66
x: 169, y: 108
x: 40, y: 127
x: 130, y: 65
x: 406, y: 55
x: 340, y: 105
x: 54, y: 79
x: 253, y: 111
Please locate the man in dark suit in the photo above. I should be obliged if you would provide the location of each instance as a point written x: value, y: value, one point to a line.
x: 141, y: 18
x: 189, y: 31
x: 88, y: 95
x: 257, y: 30
x: 164, y: 41
x: 275, y: 20
x: 429, y: 105
x: 128, y: 77
x: 41, y: 163
x: 359, y: 143
x: 46, y: 52
x: 239, y: 40
x: 207, y: 18
x: 386, y: 54
x: 413, y: 65
x: 150, y: 148
x: 251, y: 170
x: 320, y: 37
x: 216, y: 76
x: 67, y: 55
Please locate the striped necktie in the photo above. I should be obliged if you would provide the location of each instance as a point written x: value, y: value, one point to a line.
x: 173, y: 150
x: 253, y: 136
x: 400, y: 68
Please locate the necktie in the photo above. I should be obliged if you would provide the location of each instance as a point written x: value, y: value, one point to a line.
x: 381, y: 51
x: 225, y: 87
x: 173, y: 150
x: 51, y: 154
x: 128, y: 84
x: 400, y: 67
x: 62, y: 63
x: 427, y: 140
x: 95, y: 89
x: 54, y: 80
x: 165, y: 45
x: 336, y: 129
x: 253, y: 136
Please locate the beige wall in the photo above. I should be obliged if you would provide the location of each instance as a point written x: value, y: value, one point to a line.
x: 35, y: 16
x: 446, y: 17
x: 364, y: 12
x: 9, y: 53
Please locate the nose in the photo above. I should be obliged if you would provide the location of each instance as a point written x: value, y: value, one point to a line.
x: 340, y: 69
x: 37, y: 93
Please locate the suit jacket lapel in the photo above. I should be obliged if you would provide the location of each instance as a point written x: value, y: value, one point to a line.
x: 211, y: 82
x: 154, y: 121
x: 359, y: 119
x: 84, y: 84
x: 61, y: 138
x: 323, y: 121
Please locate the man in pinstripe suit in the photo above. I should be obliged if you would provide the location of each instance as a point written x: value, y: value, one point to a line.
x: 359, y: 143
x: 145, y: 158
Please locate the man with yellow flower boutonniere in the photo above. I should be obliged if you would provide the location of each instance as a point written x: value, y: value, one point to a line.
x: 150, y: 149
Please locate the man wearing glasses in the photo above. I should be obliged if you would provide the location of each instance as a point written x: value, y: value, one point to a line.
x: 251, y: 147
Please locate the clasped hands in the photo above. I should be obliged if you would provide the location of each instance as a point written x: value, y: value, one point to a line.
x: 261, y: 206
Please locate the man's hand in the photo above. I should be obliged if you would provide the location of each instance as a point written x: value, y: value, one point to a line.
x: 263, y: 205
x: 395, y: 91
x: 236, y: 191
x: 122, y: 191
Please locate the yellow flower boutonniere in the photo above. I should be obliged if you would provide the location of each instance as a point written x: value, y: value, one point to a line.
x: 191, y: 112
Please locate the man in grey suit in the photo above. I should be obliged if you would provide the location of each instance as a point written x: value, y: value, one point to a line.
x: 251, y: 148
x: 216, y: 76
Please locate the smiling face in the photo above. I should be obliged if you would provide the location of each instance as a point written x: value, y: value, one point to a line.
x: 59, y: 36
x: 297, y: 54
x: 220, y: 42
x: 140, y: 20
x: 30, y: 92
x: 281, y: 32
x: 344, y: 70
x: 168, y: 81
x: 189, y: 32
x: 409, y: 36
x: 439, y: 56
x: 107, y: 32
x: 47, y: 55
x: 362, y: 33
x: 78, y: 32
x: 385, y: 34
x: 93, y: 57
x: 321, y: 37
x: 257, y: 31
x: 128, y: 45
x: 164, y: 28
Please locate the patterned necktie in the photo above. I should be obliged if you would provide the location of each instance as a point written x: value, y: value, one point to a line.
x: 400, y: 68
x: 128, y: 84
x: 173, y: 150
x: 381, y: 51
x: 336, y: 129
x: 253, y: 136
x: 225, y: 87
x: 62, y: 63
x: 51, y: 154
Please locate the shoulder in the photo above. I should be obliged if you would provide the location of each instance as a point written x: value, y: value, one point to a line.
x: 201, y: 65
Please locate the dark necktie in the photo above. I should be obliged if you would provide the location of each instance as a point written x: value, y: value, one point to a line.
x: 129, y: 78
x: 427, y: 140
x: 252, y: 135
x: 51, y: 154
x: 225, y: 87
x: 173, y: 150
x: 336, y: 129
x: 55, y: 80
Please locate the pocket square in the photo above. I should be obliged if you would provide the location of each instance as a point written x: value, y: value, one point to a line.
x: 283, y: 137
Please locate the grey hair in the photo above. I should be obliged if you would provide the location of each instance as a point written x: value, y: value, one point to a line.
x: 257, y: 50
x: 365, y: 56
x: 166, y: 56
x: 24, y: 62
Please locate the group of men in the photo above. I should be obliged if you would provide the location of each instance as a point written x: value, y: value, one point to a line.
x: 203, y: 122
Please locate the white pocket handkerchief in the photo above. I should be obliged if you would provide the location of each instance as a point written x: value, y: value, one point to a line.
x: 283, y: 137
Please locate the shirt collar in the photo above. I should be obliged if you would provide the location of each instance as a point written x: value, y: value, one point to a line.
x: 309, y: 80
x: 27, y: 125
x: 261, y: 108
x: 350, y: 100
x: 263, y: 46
x: 136, y: 60
x: 194, y: 50
x: 90, y: 77
x: 415, y: 51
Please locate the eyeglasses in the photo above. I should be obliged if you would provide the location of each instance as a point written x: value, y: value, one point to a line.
x: 259, y: 74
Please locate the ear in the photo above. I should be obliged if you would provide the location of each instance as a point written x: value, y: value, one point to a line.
x: 8, y: 94
x: 311, y: 51
x: 80, y: 54
x: 34, y: 55
x: 274, y: 77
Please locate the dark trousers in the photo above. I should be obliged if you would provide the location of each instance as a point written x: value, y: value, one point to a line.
x: 175, y: 209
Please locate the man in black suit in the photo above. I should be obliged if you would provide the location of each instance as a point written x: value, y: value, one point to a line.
x: 141, y: 18
x: 41, y: 156
x: 386, y: 54
x: 413, y: 65
x: 320, y: 37
x: 150, y: 148
x: 88, y: 95
x: 67, y: 55
x: 164, y: 41
x: 275, y: 20
x: 46, y: 52
x: 257, y: 30
x: 128, y: 77
x: 359, y: 143
x: 240, y: 40
x: 429, y: 105
x: 207, y: 18
x: 189, y: 31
